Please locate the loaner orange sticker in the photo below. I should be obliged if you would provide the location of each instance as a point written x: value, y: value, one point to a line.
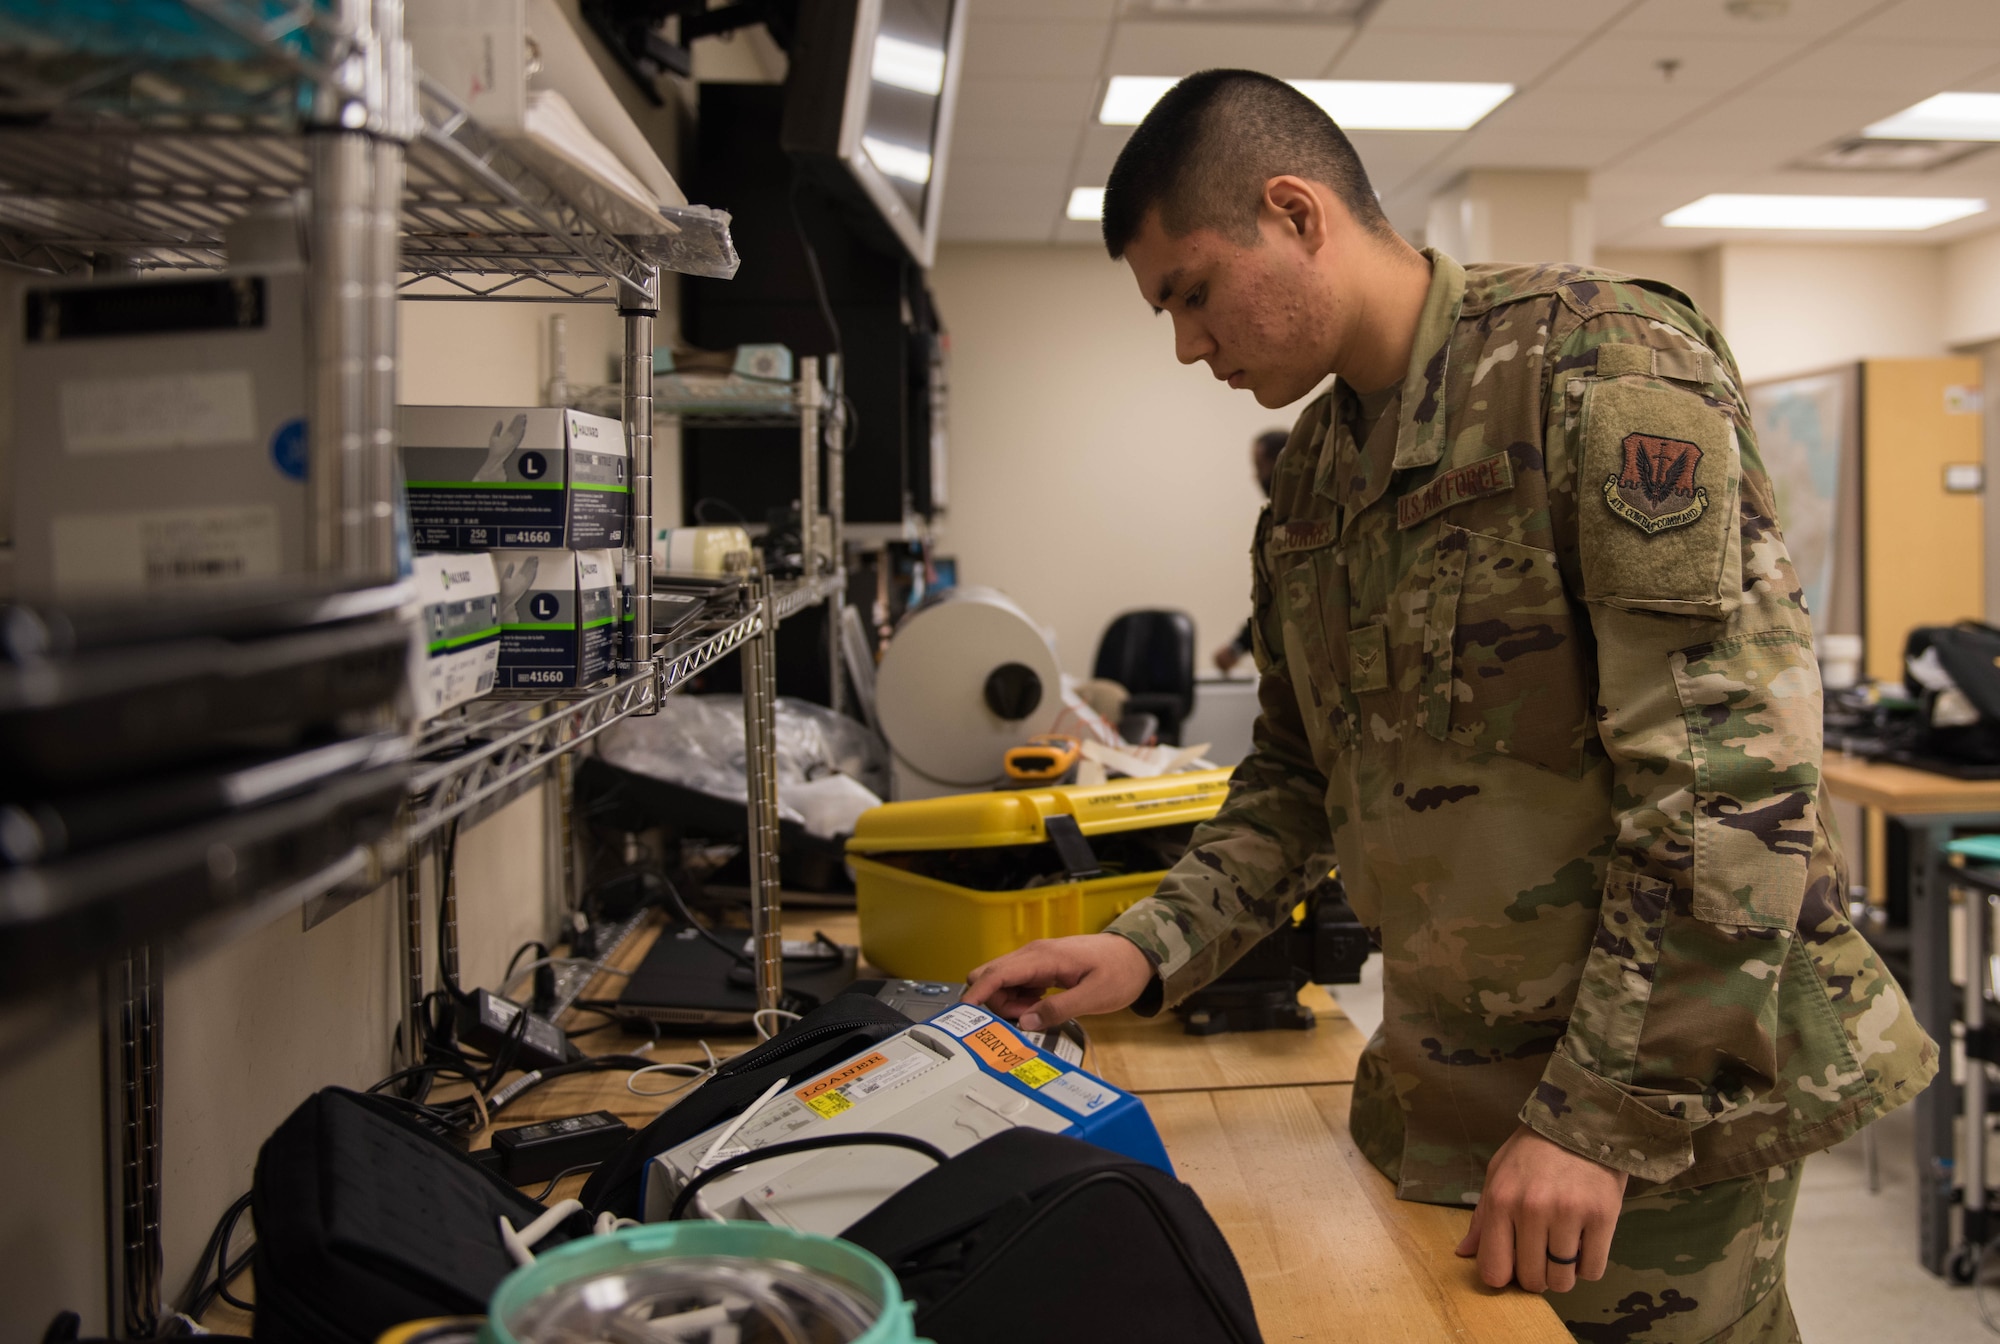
x: 1000, y: 1048
x: 846, y: 1073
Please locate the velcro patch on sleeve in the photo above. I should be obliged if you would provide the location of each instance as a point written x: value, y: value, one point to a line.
x: 1656, y: 516
x: 1488, y: 476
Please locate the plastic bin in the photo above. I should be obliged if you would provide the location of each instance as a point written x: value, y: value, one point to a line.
x: 944, y: 884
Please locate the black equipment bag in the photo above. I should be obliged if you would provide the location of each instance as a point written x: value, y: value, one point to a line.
x: 1970, y: 653
x: 842, y: 1027
x: 1113, y: 1249
x: 366, y: 1219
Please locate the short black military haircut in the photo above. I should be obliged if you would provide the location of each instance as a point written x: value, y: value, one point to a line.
x: 1203, y: 154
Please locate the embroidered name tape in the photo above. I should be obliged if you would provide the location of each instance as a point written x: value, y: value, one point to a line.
x: 1301, y: 534
x: 1488, y: 476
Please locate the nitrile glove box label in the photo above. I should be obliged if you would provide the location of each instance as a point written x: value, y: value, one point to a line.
x: 458, y: 640
x: 558, y: 617
x: 499, y: 477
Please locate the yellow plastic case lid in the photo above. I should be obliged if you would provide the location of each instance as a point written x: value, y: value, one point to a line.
x: 1017, y: 816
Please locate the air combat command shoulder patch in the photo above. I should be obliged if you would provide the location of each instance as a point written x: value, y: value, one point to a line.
x: 1655, y: 488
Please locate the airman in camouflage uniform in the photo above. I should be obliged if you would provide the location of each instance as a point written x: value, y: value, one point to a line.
x: 1534, y: 659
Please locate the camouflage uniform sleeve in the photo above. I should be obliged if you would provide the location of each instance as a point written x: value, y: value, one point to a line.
x: 1708, y: 706
x: 1245, y: 868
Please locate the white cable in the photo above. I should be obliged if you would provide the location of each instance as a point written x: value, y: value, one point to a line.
x: 722, y: 1139
x: 519, y: 1243
x: 757, y: 1020
x: 698, y: 1074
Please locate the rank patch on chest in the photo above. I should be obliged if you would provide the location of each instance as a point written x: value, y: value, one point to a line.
x: 1488, y: 476
x: 1655, y: 487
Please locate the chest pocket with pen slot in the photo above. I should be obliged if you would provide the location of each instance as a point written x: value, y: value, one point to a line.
x: 1504, y: 663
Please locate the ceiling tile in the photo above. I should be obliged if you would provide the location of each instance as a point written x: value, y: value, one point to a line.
x: 1068, y: 102
x: 1934, y: 21
x: 1520, y: 16
x: 1912, y: 70
x: 1012, y: 48
x: 1628, y: 66
x: 1009, y: 141
x: 994, y: 200
x: 1413, y: 53
x: 1804, y: 20
x: 1290, y: 50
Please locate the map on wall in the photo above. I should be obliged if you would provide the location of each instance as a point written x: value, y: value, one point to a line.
x: 1801, y: 427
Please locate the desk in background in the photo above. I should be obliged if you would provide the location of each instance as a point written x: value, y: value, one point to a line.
x: 1930, y: 807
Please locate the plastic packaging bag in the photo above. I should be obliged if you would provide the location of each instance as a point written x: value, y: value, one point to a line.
x: 696, y: 741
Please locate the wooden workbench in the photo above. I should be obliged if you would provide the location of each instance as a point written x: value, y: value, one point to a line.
x: 1256, y: 1123
x: 1932, y: 808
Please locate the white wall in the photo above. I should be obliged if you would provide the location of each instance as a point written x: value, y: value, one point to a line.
x: 1090, y: 472
x: 1793, y: 307
x: 1972, y: 290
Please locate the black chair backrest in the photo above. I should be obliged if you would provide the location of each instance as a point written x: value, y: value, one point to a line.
x: 1150, y: 653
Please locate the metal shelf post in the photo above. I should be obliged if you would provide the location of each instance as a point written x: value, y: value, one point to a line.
x: 836, y: 537
x: 133, y: 998
x: 760, y: 772
x: 638, y: 418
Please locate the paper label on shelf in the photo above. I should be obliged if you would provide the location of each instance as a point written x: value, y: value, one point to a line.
x: 962, y: 1020
x: 166, y: 548
x: 157, y: 412
x: 1079, y: 1092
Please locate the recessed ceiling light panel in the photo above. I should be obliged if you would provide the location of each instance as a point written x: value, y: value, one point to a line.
x: 1356, y: 104
x: 1848, y: 214
x: 1086, y: 203
x: 1947, y: 116
x: 1862, y: 155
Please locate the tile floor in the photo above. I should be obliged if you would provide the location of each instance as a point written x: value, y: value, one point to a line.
x: 1853, y: 1265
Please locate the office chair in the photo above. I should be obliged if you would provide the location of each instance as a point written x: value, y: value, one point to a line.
x: 1151, y: 654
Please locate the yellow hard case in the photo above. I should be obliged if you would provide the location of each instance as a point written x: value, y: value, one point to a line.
x: 920, y: 928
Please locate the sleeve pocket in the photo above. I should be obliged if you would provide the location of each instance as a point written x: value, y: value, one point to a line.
x: 1657, y: 506
x: 1752, y: 708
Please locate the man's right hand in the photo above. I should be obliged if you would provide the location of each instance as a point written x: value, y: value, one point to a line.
x: 1097, y: 972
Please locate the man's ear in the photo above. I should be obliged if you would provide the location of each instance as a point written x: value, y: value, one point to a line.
x: 1301, y: 211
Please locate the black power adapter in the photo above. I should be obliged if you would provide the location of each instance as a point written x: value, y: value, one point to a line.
x: 489, y: 1024
x: 542, y: 1151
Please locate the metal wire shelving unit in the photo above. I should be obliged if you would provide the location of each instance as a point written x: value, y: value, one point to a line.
x: 133, y: 141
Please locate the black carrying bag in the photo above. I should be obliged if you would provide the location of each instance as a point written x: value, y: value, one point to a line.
x: 365, y: 1219
x: 828, y: 1035
x: 1105, y: 1248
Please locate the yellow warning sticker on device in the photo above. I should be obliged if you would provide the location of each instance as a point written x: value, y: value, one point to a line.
x: 1036, y: 1072
x: 829, y: 1104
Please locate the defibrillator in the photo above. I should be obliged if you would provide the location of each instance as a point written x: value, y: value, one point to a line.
x: 948, y: 1083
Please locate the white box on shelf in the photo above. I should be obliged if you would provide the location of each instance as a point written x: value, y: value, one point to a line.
x: 558, y: 617
x: 495, y: 477
x: 457, y: 648
x: 160, y: 433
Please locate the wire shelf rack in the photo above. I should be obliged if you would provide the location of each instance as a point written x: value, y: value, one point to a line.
x: 474, y: 761
x: 83, y: 182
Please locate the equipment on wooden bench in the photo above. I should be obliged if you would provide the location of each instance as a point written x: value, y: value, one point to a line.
x: 961, y: 1077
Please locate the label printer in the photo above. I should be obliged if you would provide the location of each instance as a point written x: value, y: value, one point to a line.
x: 953, y: 1081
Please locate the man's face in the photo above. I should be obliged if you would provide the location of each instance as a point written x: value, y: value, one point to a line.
x: 1256, y: 314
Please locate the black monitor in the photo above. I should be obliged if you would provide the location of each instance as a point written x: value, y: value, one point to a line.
x: 869, y: 105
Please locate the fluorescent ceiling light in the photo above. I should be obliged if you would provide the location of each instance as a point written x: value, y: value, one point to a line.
x: 1356, y: 104
x: 1131, y: 97
x: 1855, y: 213
x: 1086, y: 203
x: 908, y: 65
x: 912, y: 165
x: 1948, y: 116
x: 1403, y: 105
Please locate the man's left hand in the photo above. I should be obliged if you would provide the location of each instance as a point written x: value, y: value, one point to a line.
x: 1541, y: 1200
